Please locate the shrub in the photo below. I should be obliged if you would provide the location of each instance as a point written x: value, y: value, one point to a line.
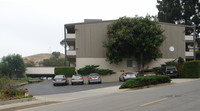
x: 191, y: 69
x: 94, y: 69
x: 11, y: 93
x: 145, y: 81
x: 132, y: 83
x: 6, y: 82
x: 67, y: 71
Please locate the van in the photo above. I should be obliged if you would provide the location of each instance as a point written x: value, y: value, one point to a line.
x: 171, y: 71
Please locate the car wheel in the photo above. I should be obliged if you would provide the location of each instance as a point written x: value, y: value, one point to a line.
x: 100, y: 82
x: 72, y: 83
x: 82, y: 83
x: 54, y: 84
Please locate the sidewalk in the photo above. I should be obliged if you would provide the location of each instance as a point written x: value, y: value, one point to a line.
x: 55, y: 98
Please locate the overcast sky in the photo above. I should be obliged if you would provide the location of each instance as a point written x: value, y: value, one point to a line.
x: 29, y: 27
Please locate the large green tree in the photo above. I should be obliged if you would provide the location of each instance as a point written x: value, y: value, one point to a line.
x: 12, y: 66
x: 139, y: 38
x: 185, y: 12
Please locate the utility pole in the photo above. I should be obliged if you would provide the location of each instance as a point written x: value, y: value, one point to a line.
x: 194, y: 41
x: 65, y: 62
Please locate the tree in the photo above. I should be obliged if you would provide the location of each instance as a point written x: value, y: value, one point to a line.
x: 62, y: 42
x: 185, y: 12
x: 30, y: 64
x: 56, y: 54
x: 138, y: 38
x: 198, y: 55
x: 12, y: 65
x: 53, y: 61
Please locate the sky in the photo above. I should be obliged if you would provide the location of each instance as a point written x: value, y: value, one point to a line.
x: 29, y: 27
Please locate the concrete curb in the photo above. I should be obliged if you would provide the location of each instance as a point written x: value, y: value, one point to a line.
x: 16, y: 101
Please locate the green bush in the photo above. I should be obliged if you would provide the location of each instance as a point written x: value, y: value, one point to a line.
x: 145, y: 81
x: 94, y: 69
x: 6, y: 82
x: 67, y: 71
x: 191, y: 69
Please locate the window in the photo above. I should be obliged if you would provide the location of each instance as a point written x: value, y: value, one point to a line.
x: 131, y: 63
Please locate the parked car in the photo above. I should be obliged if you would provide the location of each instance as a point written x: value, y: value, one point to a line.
x: 146, y: 73
x: 171, y: 71
x: 94, y: 78
x: 77, y: 78
x: 60, y: 79
x: 127, y: 75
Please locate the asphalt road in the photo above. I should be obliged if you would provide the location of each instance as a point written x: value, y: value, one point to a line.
x: 46, y: 87
x: 179, y: 97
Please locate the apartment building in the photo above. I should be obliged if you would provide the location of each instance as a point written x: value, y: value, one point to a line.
x: 86, y: 47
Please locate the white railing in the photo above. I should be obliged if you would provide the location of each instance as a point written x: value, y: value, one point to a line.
x: 71, y: 52
x: 189, y: 53
x: 188, y: 37
x: 70, y: 36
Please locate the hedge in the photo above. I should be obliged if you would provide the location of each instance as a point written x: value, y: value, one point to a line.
x: 191, y: 69
x: 67, y: 71
x: 94, y: 69
x: 145, y: 81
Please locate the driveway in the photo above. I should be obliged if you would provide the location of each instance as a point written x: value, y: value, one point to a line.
x: 46, y: 87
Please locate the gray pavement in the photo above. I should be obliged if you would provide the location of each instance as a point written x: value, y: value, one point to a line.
x: 64, y: 97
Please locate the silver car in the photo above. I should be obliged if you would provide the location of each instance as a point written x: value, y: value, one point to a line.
x: 94, y: 78
x: 60, y: 79
x: 77, y: 79
x: 127, y: 75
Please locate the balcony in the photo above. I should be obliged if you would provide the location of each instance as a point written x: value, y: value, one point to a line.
x: 71, y: 53
x: 70, y: 37
x: 189, y: 38
x: 189, y: 53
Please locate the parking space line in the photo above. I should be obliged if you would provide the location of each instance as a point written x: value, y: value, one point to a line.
x: 153, y: 102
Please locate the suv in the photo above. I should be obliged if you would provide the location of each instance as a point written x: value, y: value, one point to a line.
x: 171, y: 71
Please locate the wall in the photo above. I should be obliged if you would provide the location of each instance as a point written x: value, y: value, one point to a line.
x: 39, y: 70
x: 81, y: 62
x: 90, y: 37
x: 89, y: 40
x: 175, y: 36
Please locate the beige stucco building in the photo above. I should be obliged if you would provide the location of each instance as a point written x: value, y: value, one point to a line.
x: 86, y: 47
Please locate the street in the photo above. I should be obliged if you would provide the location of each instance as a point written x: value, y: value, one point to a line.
x: 46, y: 87
x: 177, y: 97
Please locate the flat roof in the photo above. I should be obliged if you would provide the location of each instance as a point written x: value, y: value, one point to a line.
x: 71, y: 24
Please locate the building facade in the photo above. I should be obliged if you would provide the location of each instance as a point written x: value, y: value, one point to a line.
x: 85, y: 41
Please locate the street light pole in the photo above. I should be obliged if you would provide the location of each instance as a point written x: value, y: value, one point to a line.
x: 194, y: 40
x: 65, y: 62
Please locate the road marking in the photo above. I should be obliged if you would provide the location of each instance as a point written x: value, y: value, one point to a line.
x: 153, y: 102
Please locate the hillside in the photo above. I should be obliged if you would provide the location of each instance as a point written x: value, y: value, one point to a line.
x: 37, y: 58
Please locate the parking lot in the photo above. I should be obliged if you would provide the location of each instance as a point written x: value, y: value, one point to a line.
x: 46, y: 87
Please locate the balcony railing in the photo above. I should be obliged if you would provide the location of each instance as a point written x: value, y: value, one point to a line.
x: 189, y: 53
x: 189, y: 38
x: 71, y: 52
x: 70, y: 36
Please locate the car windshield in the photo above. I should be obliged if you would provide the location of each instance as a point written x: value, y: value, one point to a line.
x: 170, y: 69
x: 76, y: 76
x: 129, y: 73
x: 94, y: 74
x: 59, y: 76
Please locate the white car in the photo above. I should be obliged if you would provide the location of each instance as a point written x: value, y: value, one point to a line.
x: 127, y: 75
x: 60, y: 79
x: 77, y: 79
